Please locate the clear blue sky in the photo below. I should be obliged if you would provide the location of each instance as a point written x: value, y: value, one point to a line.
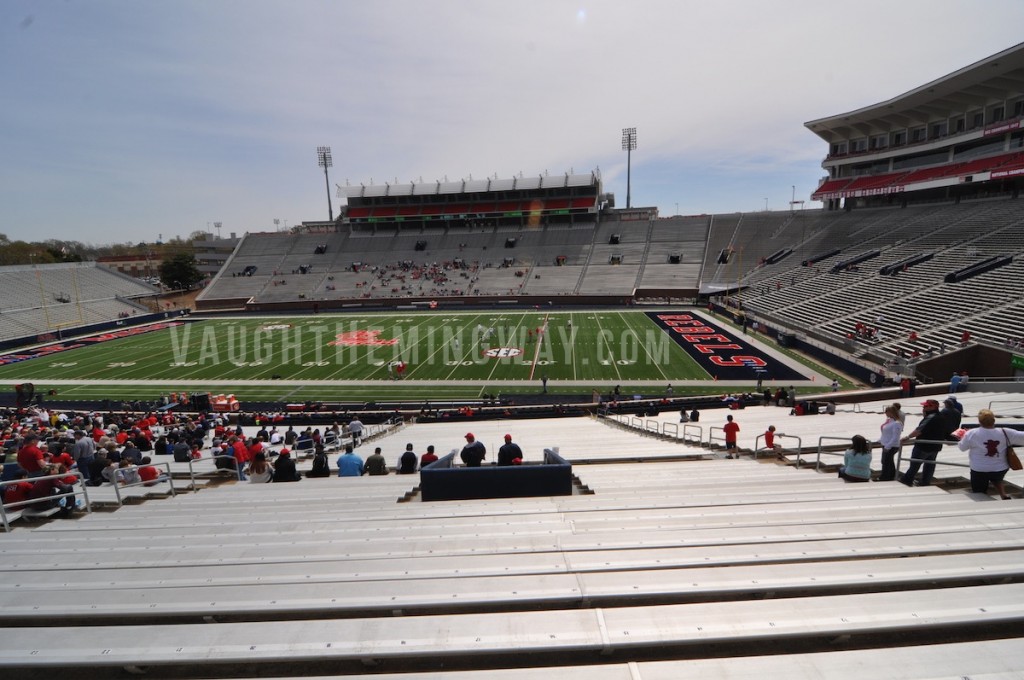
x: 121, y: 120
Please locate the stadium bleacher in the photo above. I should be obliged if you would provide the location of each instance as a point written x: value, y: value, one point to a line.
x: 41, y: 299
x: 674, y: 550
x: 669, y: 561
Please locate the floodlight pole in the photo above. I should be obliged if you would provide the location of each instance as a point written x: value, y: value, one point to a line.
x: 323, y: 154
x: 628, y: 144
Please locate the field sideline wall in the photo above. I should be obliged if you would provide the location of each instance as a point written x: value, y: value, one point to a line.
x: 490, y: 302
x: 50, y: 336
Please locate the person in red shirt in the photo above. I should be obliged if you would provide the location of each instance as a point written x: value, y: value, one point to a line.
x: 19, y: 492
x: 68, y: 479
x: 428, y: 457
x: 30, y: 456
x: 241, y: 453
x: 770, y: 444
x: 64, y: 459
x: 731, y: 429
x: 255, y: 446
x: 149, y: 474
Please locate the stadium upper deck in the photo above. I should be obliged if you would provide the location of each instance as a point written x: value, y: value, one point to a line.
x: 516, y: 201
x: 960, y: 136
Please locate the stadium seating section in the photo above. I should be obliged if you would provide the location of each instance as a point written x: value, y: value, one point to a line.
x: 46, y: 298
x: 566, y: 261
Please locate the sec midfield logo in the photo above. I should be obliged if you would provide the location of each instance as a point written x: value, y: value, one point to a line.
x: 503, y: 352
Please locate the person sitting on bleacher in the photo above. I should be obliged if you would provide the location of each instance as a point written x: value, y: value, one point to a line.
x: 127, y: 473
x: 285, y: 470
x: 46, y: 489
x: 99, y: 463
x: 260, y: 471
x: 18, y: 493
x: 149, y: 474
x: 349, y: 464
x: 856, y: 465
x: 407, y: 461
x: 428, y: 457
x: 321, y: 467
x: 131, y: 452
x: 255, y: 446
x: 376, y: 464
x: 182, y: 451
x: 304, y: 441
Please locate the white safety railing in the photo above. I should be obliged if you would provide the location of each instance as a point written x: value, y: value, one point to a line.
x: 799, y: 444
x: 927, y: 461
x: 20, y: 507
x: 165, y: 476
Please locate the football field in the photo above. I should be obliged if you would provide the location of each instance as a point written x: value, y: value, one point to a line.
x: 399, y: 350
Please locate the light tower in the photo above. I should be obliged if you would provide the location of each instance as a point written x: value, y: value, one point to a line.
x: 323, y: 155
x: 628, y: 145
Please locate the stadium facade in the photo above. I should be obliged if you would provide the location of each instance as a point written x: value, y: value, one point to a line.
x: 958, y: 137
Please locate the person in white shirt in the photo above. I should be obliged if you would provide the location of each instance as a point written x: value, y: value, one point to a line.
x: 892, y: 431
x: 986, y: 446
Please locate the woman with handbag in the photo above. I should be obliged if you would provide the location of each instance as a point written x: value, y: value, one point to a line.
x: 991, y: 453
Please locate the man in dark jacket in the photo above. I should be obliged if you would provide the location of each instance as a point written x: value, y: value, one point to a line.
x: 952, y: 417
x: 284, y: 468
x: 473, y: 452
x: 932, y: 428
x: 509, y: 452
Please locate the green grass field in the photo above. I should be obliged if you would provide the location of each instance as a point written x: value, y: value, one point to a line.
x: 495, y: 350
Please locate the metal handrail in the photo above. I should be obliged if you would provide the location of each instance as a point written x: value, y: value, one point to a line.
x: 997, y: 401
x: 711, y: 434
x: 943, y: 442
x: 799, y: 444
x: 192, y: 472
x: 27, y: 504
x: 688, y: 427
x: 161, y: 478
x: 817, y: 464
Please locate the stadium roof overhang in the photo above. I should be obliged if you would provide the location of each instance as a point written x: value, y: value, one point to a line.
x: 991, y: 80
x: 471, y: 186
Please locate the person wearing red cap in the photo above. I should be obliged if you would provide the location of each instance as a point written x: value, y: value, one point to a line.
x: 509, y: 452
x: 931, y: 429
x: 473, y: 452
x: 284, y: 468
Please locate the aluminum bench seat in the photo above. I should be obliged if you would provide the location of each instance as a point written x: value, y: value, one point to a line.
x: 349, y: 595
x: 602, y: 630
x: 977, y: 660
x: 216, y: 530
x: 249, y: 548
x: 187, y: 571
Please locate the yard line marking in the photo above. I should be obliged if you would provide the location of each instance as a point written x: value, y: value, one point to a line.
x: 536, y: 353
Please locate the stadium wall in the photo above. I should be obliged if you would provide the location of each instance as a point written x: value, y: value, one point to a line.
x: 293, y: 307
x: 39, y: 338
